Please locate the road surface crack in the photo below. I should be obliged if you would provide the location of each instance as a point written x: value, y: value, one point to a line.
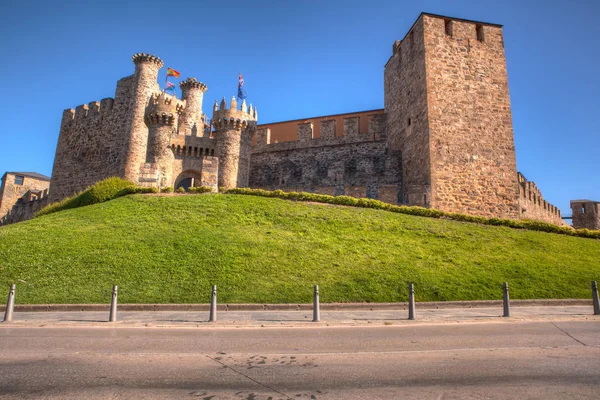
x: 568, y: 334
x: 246, y: 376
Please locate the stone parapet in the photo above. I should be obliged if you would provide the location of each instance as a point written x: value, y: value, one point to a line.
x: 532, y: 203
x: 139, y: 58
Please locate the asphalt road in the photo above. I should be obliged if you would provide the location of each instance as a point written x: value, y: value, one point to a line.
x: 492, y: 360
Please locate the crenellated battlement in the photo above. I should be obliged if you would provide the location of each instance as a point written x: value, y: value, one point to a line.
x: 163, y: 109
x: 192, y: 83
x: 327, y: 128
x: 533, y: 205
x: 93, y: 109
x: 139, y: 58
x: 232, y: 117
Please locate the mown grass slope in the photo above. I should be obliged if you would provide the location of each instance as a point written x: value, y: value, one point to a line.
x: 171, y: 248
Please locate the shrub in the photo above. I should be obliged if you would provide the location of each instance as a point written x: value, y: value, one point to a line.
x: 200, y: 189
x: 180, y: 190
x: 99, y: 192
x: 417, y: 211
x: 168, y: 189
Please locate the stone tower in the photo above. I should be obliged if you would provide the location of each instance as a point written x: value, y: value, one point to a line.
x: 162, y: 117
x: 448, y: 108
x: 192, y: 119
x: 144, y: 86
x: 586, y: 214
x: 233, y: 132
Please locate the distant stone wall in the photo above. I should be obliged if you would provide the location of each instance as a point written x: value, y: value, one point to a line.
x: 25, y: 207
x: 532, y: 203
x: 11, y: 192
x: 354, y: 164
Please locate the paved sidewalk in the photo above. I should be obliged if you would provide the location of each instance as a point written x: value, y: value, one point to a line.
x: 193, y: 319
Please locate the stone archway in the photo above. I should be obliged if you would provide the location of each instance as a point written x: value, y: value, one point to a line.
x: 188, y: 178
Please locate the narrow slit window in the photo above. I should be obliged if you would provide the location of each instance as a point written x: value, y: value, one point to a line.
x: 480, y: 35
x: 448, y: 27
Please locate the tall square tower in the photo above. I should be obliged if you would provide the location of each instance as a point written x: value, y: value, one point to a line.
x: 448, y: 106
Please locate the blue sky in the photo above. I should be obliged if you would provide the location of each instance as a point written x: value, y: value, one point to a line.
x: 300, y: 59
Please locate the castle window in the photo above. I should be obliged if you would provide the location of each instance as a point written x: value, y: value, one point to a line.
x: 425, y: 199
x: 448, y: 27
x: 195, y: 152
x: 19, y: 179
x: 583, y: 208
x: 212, y: 152
x: 409, y: 121
x: 479, y: 29
x: 206, y: 153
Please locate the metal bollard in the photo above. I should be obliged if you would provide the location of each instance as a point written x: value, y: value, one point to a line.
x: 595, y: 298
x: 316, y: 306
x: 113, y: 306
x: 10, y: 304
x: 213, y: 305
x: 411, y: 301
x: 505, y: 302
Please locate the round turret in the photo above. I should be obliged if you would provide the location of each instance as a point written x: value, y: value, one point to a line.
x: 233, y: 131
x: 161, y: 117
x: 139, y: 58
x: 143, y: 85
x: 192, y: 119
x: 163, y: 109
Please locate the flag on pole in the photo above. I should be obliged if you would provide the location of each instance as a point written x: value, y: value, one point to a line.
x: 241, y: 92
x: 172, y: 72
x: 169, y: 86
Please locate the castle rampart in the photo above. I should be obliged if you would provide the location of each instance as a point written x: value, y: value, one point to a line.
x: 354, y: 164
x: 18, y: 187
x: 532, y: 203
x: 305, y: 136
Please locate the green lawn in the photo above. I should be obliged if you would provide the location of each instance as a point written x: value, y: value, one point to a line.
x: 171, y: 249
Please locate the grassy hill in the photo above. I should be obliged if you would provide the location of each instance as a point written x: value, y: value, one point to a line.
x: 171, y: 248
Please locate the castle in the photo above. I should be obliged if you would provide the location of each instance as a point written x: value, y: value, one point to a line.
x: 444, y: 139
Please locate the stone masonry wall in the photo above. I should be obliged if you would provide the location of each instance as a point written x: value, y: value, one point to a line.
x: 405, y: 99
x: 90, y: 144
x: 25, y: 208
x: 107, y: 138
x: 354, y: 164
x: 11, y: 192
x: 533, y: 206
x: 473, y: 164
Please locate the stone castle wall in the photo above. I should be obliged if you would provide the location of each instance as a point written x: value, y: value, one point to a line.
x: 354, y: 164
x: 100, y: 139
x: 533, y: 205
x: 25, y: 207
x: 11, y: 192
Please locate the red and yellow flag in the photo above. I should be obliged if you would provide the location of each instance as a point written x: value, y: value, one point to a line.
x: 172, y: 72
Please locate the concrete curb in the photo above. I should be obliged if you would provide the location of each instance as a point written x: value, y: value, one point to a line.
x: 299, y: 307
